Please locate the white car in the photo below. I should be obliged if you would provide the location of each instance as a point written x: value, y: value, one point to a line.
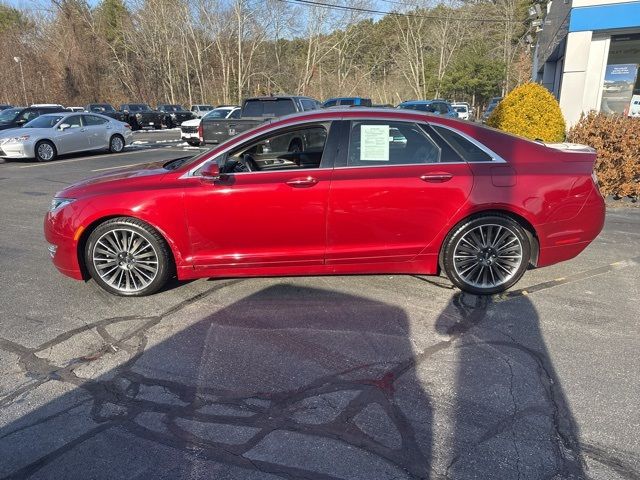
x: 201, y: 110
x: 53, y: 134
x: 463, y: 110
x: 189, y: 128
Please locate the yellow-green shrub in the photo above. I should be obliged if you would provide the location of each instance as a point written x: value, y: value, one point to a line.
x: 531, y: 111
x: 617, y: 143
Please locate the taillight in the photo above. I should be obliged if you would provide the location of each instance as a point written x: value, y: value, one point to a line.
x: 594, y: 177
x: 200, y: 132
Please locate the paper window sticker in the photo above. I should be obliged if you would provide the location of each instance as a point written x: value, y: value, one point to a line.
x: 374, y: 141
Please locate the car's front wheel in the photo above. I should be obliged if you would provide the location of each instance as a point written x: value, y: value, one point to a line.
x: 45, y: 151
x: 486, y: 254
x: 128, y: 257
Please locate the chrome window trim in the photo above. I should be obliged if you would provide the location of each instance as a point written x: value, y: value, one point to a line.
x: 494, y: 156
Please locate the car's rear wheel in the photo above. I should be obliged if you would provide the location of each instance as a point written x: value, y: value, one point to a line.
x: 194, y: 142
x: 116, y: 144
x: 45, y: 151
x: 127, y: 257
x: 486, y: 254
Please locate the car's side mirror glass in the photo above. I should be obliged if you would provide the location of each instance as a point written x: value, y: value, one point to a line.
x: 64, y: 126
x: 210, y: 172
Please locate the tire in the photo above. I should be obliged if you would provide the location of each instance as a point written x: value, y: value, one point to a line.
x: 193, y: 142
x: 45, y: 151
x: 486, y: 254
x: 116, y: 144
x: 120, y: 254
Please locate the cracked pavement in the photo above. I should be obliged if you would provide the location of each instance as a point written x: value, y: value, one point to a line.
x: 353, y: 377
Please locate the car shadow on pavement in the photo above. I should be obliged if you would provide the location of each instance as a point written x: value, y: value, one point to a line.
x: 293, y: 381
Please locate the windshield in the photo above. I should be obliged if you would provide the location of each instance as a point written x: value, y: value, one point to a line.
x: 218, y: 113
x: 139, y: 108
x: 460, y: 109
x: 44, y: 121
x: 101, y: 108
x: 172, y: 108
x: 9, y: 115
x: 205, y: 108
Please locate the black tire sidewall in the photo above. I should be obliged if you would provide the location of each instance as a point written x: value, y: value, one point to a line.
x: 55, y: 151
x: 150, y: 234
x: 455, y: 235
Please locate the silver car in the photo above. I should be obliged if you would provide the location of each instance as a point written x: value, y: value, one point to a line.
x: 53, y: 134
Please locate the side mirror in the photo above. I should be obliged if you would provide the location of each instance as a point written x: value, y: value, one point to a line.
x: 211, y: 172
x: 64, y: 126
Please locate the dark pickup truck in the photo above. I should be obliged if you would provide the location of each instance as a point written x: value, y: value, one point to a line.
x: 105, y: 109
x: 254, y: 112
x: 140, y: 115
x: 175, y: 115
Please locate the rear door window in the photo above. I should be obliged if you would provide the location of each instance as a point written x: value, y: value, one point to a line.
x: 269, y: 108
x: 379, y: 142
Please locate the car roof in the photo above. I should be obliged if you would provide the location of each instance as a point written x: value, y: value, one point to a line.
x: 418, y: 102
x: 344, y: 98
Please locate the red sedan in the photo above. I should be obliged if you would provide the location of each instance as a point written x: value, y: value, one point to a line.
x: 357, y: 191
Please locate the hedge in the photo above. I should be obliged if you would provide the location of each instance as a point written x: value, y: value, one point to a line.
x: 617, y: 141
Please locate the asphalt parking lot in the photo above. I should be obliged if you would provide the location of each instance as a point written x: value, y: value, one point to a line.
x: 352, y: 377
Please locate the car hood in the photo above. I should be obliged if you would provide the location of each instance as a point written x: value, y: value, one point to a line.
x: 120, y: 180
x: 8, y: 132
x: 35, y: 132
x: 191, y: 123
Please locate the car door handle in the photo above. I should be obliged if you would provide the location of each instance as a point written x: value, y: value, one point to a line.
x: 436, y: 177
x: 302, y: 182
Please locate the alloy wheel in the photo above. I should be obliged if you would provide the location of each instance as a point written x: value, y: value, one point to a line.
x: 488, y: 256
x: 116, y: 144
x: 45, y: 151
x: 125, y: 260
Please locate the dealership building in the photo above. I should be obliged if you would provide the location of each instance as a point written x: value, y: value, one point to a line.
x: 588, y: 54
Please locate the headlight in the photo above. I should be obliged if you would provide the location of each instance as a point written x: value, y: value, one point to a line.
x: 58, y: 203
x: 18, y: 139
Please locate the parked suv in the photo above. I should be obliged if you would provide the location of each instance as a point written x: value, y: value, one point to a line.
x: 141, y: 115
x: 105, y: 109
x: 438, y: 107
x: 17, y: 116
x: 493, y: 103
